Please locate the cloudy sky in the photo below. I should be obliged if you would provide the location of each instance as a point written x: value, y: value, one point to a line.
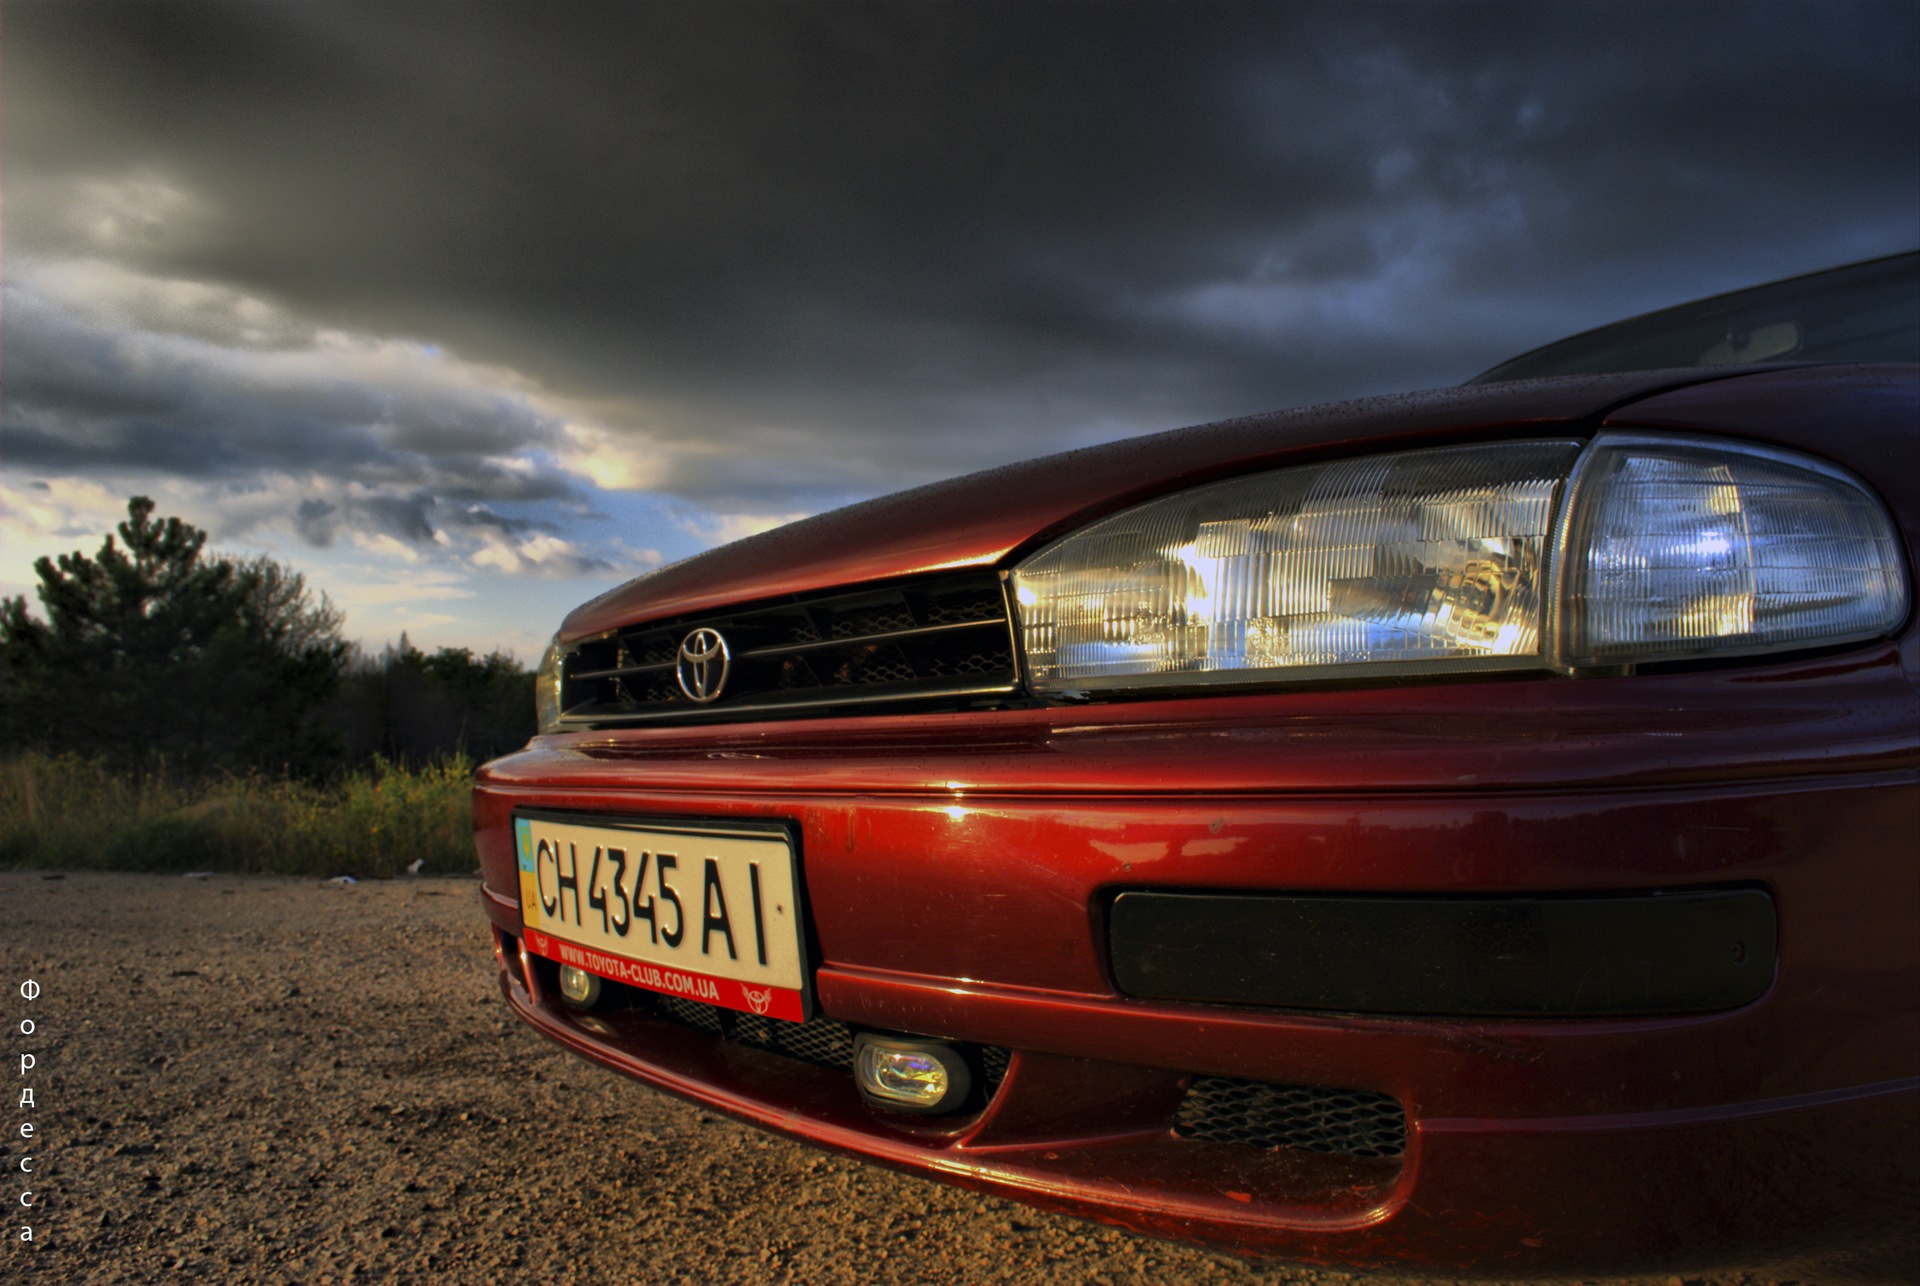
x: 471, y: 310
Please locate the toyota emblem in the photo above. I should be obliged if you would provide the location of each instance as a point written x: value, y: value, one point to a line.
x: 702, y: 668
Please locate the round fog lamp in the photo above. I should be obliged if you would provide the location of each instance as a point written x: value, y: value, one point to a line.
x: 908, y: 1074
x: 580, y: 988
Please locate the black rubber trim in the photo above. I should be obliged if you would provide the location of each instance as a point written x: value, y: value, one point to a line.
x: 1563, y: 957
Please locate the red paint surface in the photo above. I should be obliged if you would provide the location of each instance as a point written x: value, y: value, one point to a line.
x: 958, y: 867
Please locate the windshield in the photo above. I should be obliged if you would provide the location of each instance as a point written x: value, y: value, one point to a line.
x: 1865, y: 312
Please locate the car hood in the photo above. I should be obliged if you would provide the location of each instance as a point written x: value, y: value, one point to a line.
x: 982, y: 518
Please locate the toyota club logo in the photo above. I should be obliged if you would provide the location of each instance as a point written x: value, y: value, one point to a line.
x: 703, y: 665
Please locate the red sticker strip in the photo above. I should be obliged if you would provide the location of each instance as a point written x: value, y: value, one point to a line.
x: 773, y: 1002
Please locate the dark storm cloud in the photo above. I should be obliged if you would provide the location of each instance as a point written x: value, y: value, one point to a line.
x: 402, y: 516
x: 825, y: 249
x: 90, y: 391
x: 317, y: 522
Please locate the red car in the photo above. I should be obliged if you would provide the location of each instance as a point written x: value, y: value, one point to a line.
x: 1475, y: 829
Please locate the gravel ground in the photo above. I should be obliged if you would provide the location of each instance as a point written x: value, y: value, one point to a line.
x: 275, y: 1080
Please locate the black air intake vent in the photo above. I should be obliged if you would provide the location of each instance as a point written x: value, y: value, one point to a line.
x: 937, y: 643
x: 1255, y: 1114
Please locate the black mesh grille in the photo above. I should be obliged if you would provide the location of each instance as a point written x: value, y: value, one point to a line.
x: 820, y: 1041
x: 824, y: 1042
x: 993, y: 1065
x: 939, y: 642
x: 1256, y: 1114
x: 688, y: 1013
x: 880, y: 618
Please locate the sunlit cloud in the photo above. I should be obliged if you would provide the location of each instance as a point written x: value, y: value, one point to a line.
x: 272, y: 431
x: 719, y: 529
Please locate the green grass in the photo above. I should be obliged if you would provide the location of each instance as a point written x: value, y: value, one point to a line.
x: 65, y: 811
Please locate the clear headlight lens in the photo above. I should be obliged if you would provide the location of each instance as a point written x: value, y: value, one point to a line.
x: 1405, y: 560
x: 1682, y: 548
x: 546, y: 688
x: 1458, y: 558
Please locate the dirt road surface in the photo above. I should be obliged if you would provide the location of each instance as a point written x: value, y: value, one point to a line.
x: 255, y: 1079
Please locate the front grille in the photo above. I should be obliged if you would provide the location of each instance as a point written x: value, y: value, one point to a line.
x: 824, y: 1042
x: 1256, y: 1114
x: 938, y: 642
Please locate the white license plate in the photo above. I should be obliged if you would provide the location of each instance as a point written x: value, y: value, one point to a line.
x: 704, y: 913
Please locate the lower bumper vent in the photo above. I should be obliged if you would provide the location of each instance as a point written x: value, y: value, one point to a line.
x: 823, y: 1042
x: 1255, y: 1114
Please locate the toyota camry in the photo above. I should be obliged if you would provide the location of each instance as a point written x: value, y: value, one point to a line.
x: 1472, y: 829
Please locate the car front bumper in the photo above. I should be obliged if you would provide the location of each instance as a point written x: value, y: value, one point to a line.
x: 961, y: 868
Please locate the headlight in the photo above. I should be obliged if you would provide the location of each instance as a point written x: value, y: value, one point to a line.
x: 546, y: 688
x: 1408, y: 561
x: 1463, y: 558
x: 1681, y: 548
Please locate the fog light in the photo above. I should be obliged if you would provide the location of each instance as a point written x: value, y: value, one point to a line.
x: 580, y: 988
x: 911, y: 1075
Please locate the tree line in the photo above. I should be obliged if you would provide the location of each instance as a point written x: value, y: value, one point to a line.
x: 157, y: 654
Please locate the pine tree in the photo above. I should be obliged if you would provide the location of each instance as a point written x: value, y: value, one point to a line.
x: 154, y: 652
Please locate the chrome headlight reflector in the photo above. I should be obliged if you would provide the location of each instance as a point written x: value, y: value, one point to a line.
x: 1464, y: 558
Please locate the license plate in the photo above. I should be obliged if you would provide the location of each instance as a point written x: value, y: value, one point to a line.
x: 704, y: 913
